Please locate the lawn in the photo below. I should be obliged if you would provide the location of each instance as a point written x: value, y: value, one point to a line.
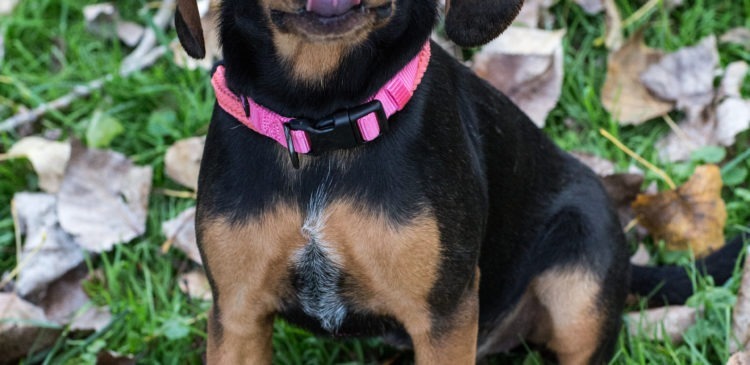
x: 48, y: 50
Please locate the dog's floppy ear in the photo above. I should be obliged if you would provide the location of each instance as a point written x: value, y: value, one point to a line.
x: 187, y: 21
x: 472, y: 23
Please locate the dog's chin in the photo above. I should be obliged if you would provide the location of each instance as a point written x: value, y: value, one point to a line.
x: 316, y: 28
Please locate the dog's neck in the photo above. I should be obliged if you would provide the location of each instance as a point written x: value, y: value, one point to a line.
x: 254, y: 69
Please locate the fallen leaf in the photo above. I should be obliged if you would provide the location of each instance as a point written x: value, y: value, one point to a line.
x: 712, y: 127
x: 690, y: 217
x: 113, y: 358
x: 103, y: 198
x: 66, y: 303
x: 601, y: 166
x: 48, y: 158
x: 641, y: 256
x: 195, y: 284
x: 23, y: 328
x: 613, y: 37
x: 740, y: 358
x: 532, y: 12
x: 103, y: 20
x: 182, y: 161
x: 48, y: 251
x: 591, y: 6
x: 685, y: 77
x: 741, y: 315
x: 180, y: 231
x: 208, y: 10
x: 526, y: 65
x: 7, y: 6
x: 734, y: 77
x: 733, y: 113
x: 130, y: 33
x: 659, y: 324
x: 623, y: 94
x: 739, y: 36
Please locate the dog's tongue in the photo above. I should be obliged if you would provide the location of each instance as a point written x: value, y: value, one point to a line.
x: 330, y: 7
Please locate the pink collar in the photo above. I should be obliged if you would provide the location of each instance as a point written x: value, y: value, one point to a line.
x: 299, y: 136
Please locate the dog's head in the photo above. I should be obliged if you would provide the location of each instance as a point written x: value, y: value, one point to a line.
x: 313, y: 38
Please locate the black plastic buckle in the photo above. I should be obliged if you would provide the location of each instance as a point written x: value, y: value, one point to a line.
x: 337, y: 131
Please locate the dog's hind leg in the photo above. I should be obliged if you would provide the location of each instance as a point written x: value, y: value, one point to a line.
x: 577, y: 328
x: 583, y: 293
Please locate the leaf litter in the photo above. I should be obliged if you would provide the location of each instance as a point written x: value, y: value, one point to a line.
x: 526, y: 65
x: 623, y: 93
x: 689, y: 217
x: 103, y: 198
x: 48, y: 251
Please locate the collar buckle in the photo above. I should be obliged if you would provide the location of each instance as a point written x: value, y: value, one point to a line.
x: 336, y: 131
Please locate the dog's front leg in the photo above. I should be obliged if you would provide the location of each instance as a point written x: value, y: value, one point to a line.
x: 250, y: 343
x: 453, y: 342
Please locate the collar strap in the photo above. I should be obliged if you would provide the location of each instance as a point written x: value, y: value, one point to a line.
x: 342, y: 129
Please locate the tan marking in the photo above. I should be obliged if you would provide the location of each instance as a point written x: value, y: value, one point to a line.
x: 310, y: 62
x: 380, y: 259
x: 394, y: 270
x: 312, y: 58
x: 247, y: 264
x: 575, y: 320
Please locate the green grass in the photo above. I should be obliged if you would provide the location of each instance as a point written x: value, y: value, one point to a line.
x: 48, y: 50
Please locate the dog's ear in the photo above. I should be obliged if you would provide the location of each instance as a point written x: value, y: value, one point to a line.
x: 187, y: 21
x: 472, y: 23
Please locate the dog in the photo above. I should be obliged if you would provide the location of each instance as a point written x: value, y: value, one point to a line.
x: 437, y: 216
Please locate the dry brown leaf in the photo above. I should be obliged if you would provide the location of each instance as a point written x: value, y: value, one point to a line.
x: 103, y: 198
x: 733, y: 113
x: 685, y: 77
x: 601, y: 166
x: 623, y: 94
x: 181, y: 232
x: 66, y: 303
x: 7, y: 6
x: 741, y: 315
x: 48, y: 251
x: 591, y: 6
x: 690, y: 217
x: 103, y: 20
x: 661, y: 323
x: 195, y: 284
x: 113, y: 358
x: 740, y: 358
x: 713, y: 127
x: 740, y: 36
x: 208, y: 10
x: 183, y: 161
x: 532, y: 12
x: 48, y: 158
x: 20, y: 330
x: 613, y: 37
x: 641, y: 256
x: 526, y: 65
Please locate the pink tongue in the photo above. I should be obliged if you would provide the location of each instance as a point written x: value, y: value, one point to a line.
x: 330, y: 7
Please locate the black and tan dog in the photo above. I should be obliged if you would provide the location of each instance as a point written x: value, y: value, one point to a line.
x: 460, y: 232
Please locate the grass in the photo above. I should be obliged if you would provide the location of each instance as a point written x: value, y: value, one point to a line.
x: 49, y: 50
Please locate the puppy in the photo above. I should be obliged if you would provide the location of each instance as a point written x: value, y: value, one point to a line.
x: 359, y: 181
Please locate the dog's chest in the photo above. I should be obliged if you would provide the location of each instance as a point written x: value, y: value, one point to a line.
x: 333, y: 262
x: 351, y: 259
